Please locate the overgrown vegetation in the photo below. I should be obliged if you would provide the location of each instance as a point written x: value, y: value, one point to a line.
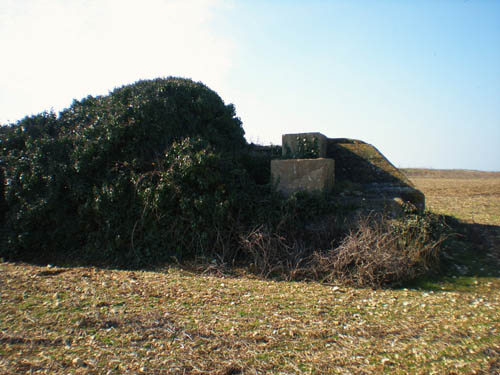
x: 145, y: 173
x: 372, y: 250
x: 381, y: 252
x: 159, y: 171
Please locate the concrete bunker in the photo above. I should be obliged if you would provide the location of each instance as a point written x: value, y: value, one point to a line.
x: 358, y: 171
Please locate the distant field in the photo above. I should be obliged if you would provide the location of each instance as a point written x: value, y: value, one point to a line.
x: 472, y: 196
x: 93, y: 321
x: 449, y: 173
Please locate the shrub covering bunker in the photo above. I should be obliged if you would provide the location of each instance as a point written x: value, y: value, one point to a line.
x: 154, y: 171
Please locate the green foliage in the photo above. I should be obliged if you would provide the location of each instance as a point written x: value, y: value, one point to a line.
x: 36, y: 168
x: 71, y: 181
x: 421, y: 227
x: 257, y: 161
x: 192, y: 203
x: 136, y: 123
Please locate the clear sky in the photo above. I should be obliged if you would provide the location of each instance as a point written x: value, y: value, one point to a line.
x: 420, y: 80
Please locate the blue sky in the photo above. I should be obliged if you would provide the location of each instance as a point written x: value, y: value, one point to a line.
x: 420, y: 80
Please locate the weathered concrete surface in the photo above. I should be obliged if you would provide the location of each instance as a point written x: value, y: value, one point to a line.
x: 360, y: 162
x: 384, y: 197
x: 381, y: 184
x: 393, y: 207
x: 303, y: 174
x: 378, y: 183
x: 390, y: 191
x: 293, y: 145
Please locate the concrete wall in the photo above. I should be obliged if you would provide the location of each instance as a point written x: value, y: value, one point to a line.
x: 303, y: 174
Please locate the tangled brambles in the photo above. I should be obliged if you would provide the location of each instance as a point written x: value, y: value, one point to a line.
x: 269, y: 253
x: 375, y: 252
x: 381, y: 252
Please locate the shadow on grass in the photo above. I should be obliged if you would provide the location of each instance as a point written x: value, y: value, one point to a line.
x: 471, y: 251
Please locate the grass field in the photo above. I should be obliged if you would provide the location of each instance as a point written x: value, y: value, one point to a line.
x: 92, y: 321
x: 469, y: 195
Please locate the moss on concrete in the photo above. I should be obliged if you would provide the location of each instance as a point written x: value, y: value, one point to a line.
x: 359, y: 162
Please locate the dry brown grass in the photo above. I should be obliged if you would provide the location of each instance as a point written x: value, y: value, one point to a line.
x: 472, y: 196
x: 93, y: 321
x: 449, y: 173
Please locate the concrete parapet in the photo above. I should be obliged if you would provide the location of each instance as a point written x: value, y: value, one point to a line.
x: 316, y: 162
x: 303, y: 174
x: 304, y: 145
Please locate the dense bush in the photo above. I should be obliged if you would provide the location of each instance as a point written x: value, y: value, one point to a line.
x: 72, y: 181
x: 136, y: 123
x: 194, y: 203
x: 37, y: 168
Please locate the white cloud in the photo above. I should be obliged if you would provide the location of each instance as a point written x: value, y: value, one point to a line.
x: 57, y: 50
